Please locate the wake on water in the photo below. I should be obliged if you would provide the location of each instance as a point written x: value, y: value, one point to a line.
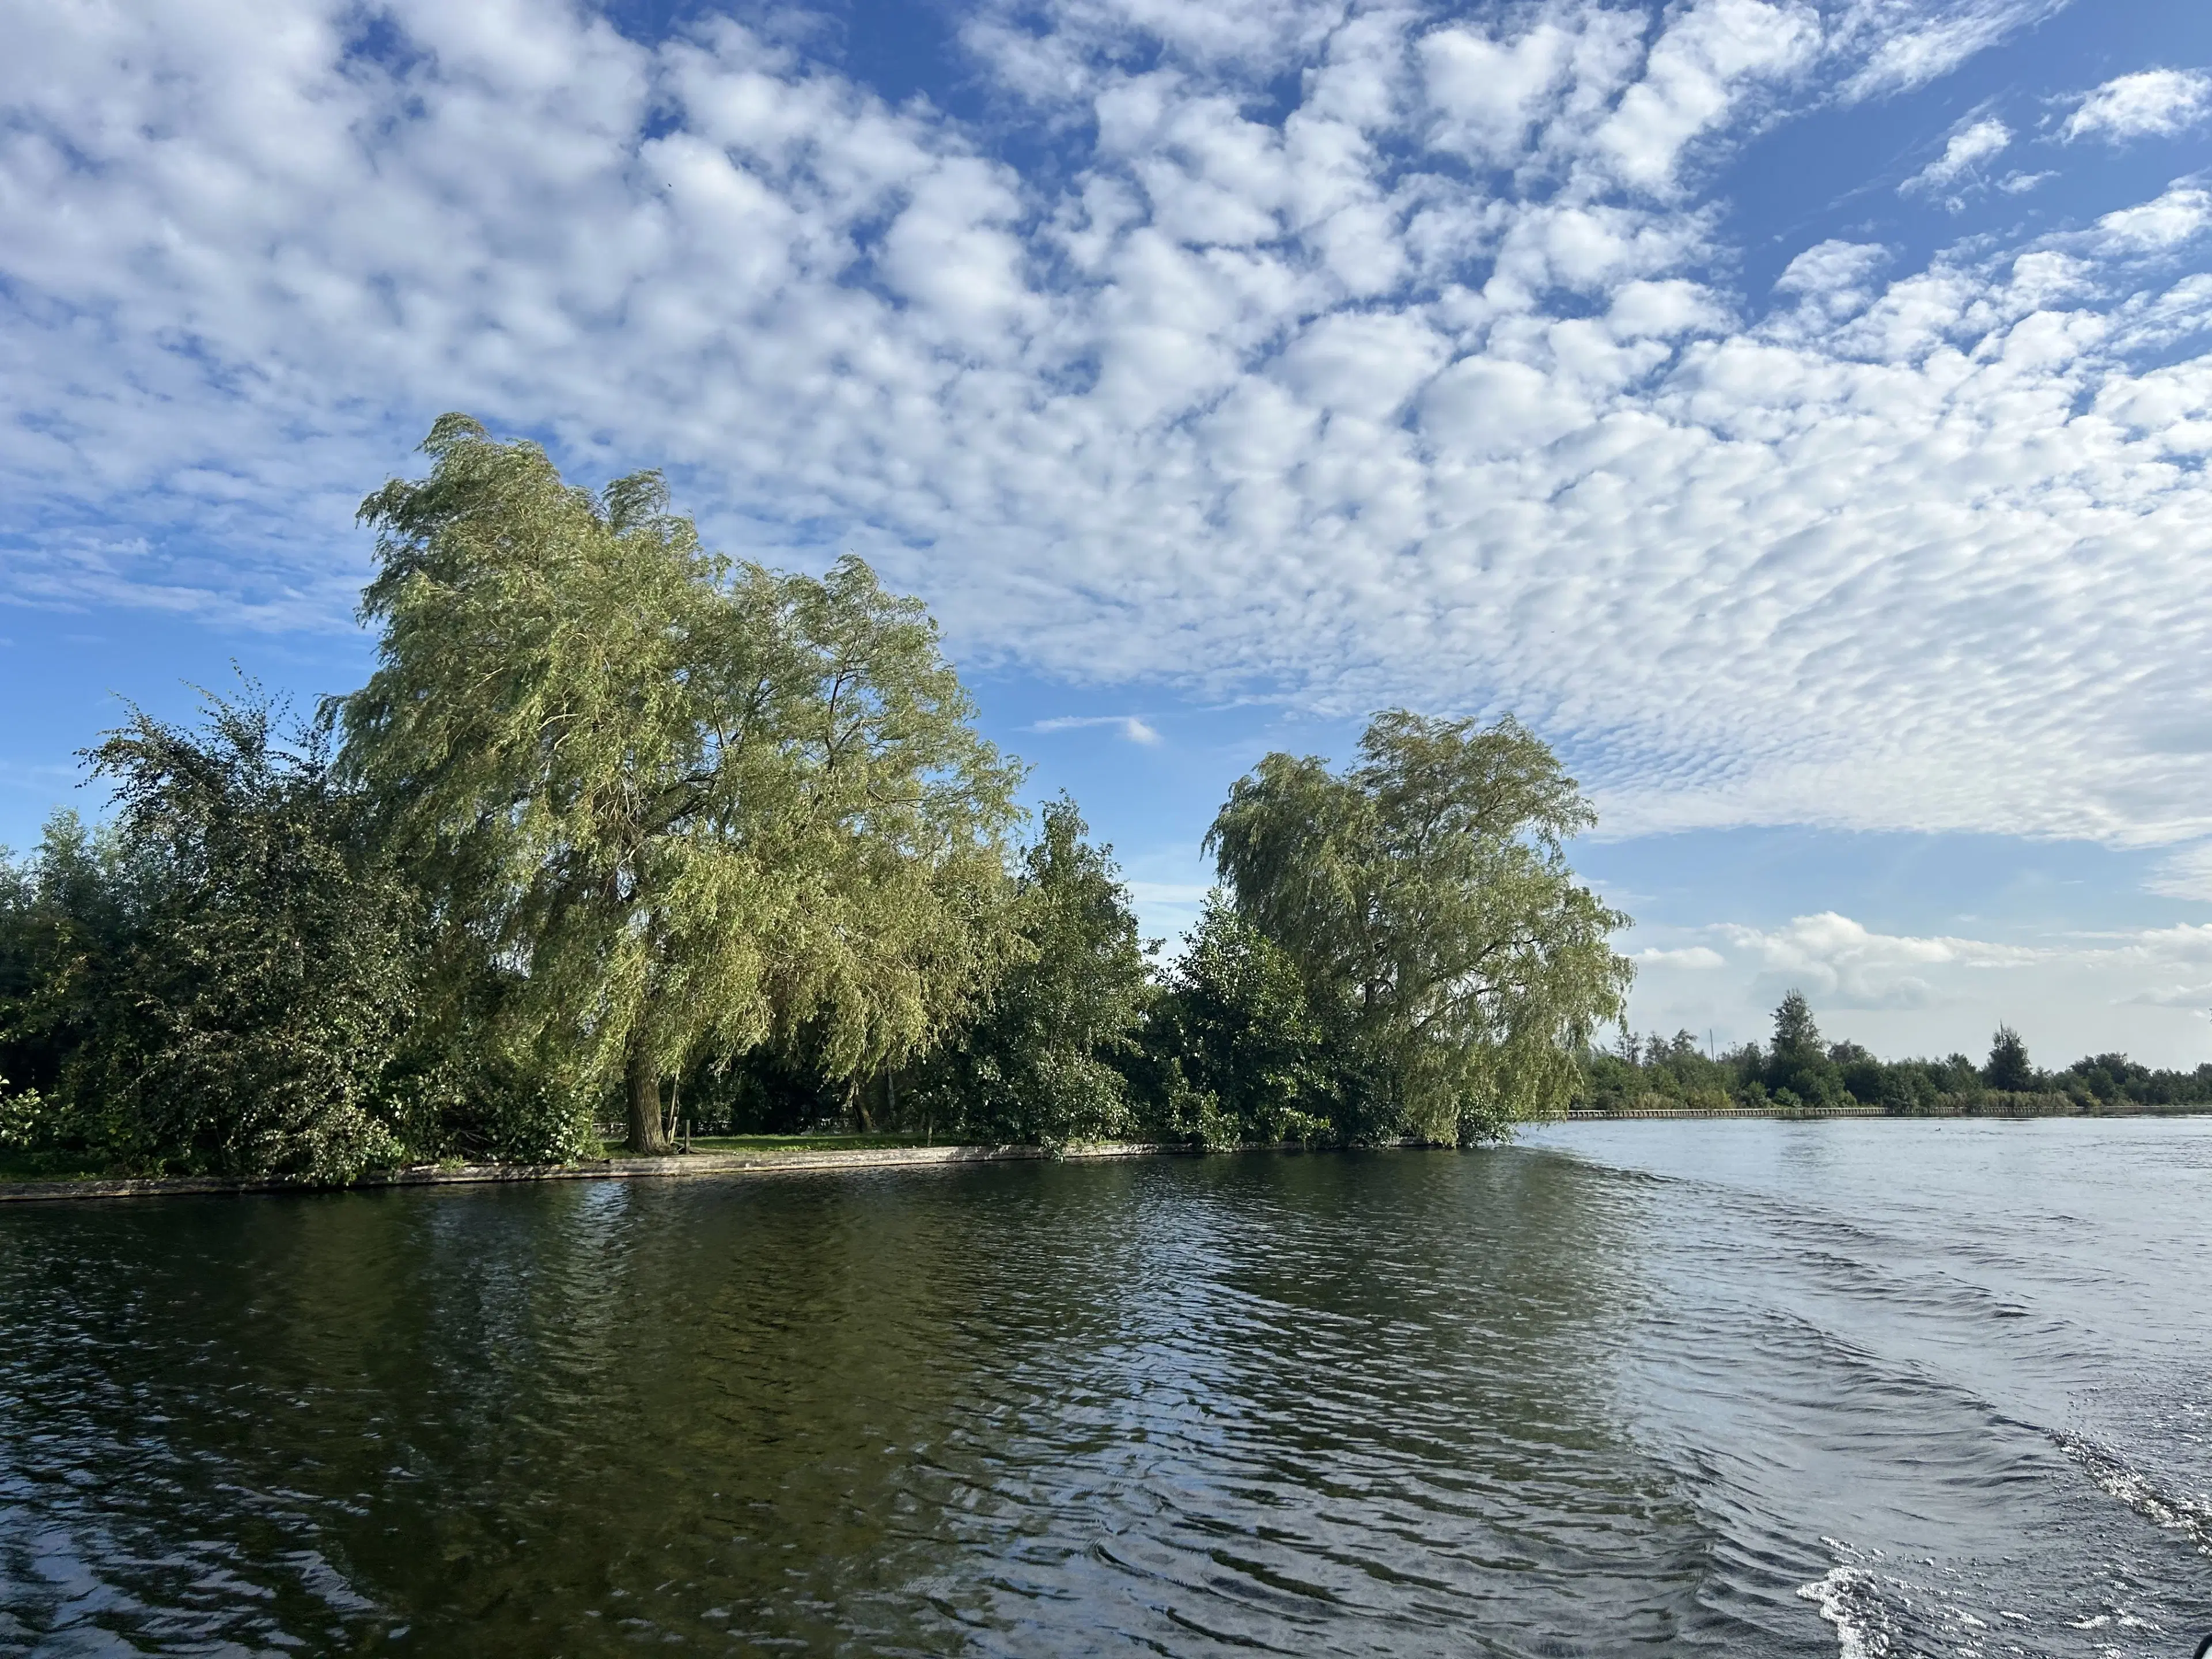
x: 1884, y: 1609
x: 1927, y: 1304
x: 2189, y: 1516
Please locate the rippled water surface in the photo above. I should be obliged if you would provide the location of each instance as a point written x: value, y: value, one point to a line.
x: 1726, y: 1387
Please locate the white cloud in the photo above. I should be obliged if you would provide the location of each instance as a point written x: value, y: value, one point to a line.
x: 2196, y: 997
x: 2148, y: 992
x: 1489, y: 94
x: 1695, y: 73
x: 1969, y: 147
x: 2151, y: 103
x: 1430, y: 386
x: 1700, y: 958
x: 1910, y: 43
x: 2185, y: 873
x: 1841, y: 962
x: 1834, y: 279
x: 2156, y: 226
x: 1135, y: 730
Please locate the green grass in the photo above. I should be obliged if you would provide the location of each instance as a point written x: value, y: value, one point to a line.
x: 46, y: 1166
x: 805, y: 1143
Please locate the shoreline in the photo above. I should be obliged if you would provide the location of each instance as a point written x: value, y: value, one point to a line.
x: 675, y: 1165
x: 688, y: 1165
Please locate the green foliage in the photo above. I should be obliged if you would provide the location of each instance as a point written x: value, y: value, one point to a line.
x: 67, y: 914
x: 1797, y: 1037
x: 268, y: 990
x: 2008, y: 1068
x: 1425, y: 899
x: 222, y: 980
x: 1043, y: 1060
x: 619, y: 820
x: 681, y: 806
x: 1245, y: 1060
x: 1800, y: 1070
x: 1668, y: 1072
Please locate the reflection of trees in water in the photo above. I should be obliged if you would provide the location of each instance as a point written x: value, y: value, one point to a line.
x: 1000, y: 1407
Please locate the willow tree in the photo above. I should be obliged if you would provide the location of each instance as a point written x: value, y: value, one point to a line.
x: 683, y: 804
x: 1424, y: 896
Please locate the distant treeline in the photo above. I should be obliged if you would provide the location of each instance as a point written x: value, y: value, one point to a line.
x: 1800, y: 1070
x: 623, y: 834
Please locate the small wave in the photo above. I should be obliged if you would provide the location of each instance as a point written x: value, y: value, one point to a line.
x: 1849, y: 1599
x: 2117, y: 1478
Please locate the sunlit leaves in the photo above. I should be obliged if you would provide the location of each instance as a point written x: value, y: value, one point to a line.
x: 1425, y: 899
x: 685, y: 804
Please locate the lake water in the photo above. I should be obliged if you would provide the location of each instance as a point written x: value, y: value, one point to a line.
x: 1880, y: 1388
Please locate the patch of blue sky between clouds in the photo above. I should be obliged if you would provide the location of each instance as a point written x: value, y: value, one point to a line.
x: 1796, y: 411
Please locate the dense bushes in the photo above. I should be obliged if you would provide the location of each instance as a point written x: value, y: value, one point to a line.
x: 220, y: 981
x: 1045, y: 1058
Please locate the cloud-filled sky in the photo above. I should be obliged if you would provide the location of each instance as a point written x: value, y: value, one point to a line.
x: 1796, y: 409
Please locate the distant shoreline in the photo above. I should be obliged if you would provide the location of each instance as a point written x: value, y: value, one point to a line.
x: 2192, y: 1109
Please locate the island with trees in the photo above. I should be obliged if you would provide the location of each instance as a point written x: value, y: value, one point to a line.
x: 623, y: 833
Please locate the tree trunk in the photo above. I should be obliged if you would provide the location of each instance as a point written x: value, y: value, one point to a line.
x: 646, y: 1138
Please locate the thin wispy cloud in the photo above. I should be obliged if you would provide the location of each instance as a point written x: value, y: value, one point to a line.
x: 1963, y: 158
x: 1128, y: 726
x: 1904, y: 43
x: 2196, y: 998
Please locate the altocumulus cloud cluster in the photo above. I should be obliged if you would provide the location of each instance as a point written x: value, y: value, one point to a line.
x: 1340, y: 352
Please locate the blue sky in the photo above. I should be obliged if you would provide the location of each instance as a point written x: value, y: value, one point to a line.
x: 1795, y: 409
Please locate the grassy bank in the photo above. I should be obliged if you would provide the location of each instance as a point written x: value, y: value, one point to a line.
x: 811, y: 1143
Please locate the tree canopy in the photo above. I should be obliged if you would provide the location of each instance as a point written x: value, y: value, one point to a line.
x: 1800, y: 1070
x: 230, y: 998
x: 689, y: 803
x: 1424, y: 897
x: 618, y: 823
x: 1043, y: 1060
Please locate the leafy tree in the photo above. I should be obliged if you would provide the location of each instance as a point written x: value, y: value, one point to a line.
x: 2009, y: 1067
x: 1799, y: 1072
x: 1424, y: 898
x: 1797, y: 1037
x: 1247, y: 1060
x: 248, y: 1025
x: 67, y: 912
x: 684, y: 804
x: 1041, y: 1062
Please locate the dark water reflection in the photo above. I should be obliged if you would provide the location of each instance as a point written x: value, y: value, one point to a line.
x: 1554, y: 1400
